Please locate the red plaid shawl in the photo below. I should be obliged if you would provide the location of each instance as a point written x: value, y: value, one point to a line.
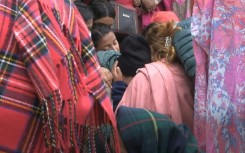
x: 52, y: 97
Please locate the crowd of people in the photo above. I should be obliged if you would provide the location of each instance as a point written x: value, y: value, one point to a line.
x: 70, y: 84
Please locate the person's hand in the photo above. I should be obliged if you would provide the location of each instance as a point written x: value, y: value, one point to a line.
x: 106, y: 76
x: 116, y: 72
x: 149, y: 5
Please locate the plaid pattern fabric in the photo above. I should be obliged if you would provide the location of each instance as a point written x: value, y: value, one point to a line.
x: 143, y: 131
x: 51, y: 94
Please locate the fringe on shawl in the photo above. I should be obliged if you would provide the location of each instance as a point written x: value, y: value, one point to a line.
x: 61, y: 130
x: 64, y: 134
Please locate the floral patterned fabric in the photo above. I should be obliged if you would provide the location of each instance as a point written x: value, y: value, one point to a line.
x: 218, y: 27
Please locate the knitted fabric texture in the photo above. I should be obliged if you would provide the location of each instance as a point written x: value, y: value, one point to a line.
x: 107, y: 58
x: 184, y: 47
x: 185, y: 24
x: 135, y: 53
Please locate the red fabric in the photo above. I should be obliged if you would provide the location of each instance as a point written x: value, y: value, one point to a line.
x: 168, y: 4
x: 128, y: 3
x: 164, y: 16
x: 11, y: 132
x: 49, y: 78
x: 146, y: 17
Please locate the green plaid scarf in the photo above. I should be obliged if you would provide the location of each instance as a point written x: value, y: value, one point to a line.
x: 143, y: 131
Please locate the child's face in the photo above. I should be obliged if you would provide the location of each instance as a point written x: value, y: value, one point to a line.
x: 108, y: 42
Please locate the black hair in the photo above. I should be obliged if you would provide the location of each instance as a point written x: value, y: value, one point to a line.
x: 98, y: 31
x: 84, y: 10
x: 102, y: 8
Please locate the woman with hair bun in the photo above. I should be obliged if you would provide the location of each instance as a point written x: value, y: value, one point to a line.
x: 162, y: 86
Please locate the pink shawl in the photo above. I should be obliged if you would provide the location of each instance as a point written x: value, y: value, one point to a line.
x: 162, y: 88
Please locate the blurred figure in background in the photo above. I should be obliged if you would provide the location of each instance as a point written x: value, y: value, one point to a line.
x: 103, y: 11
x: 86, y: 12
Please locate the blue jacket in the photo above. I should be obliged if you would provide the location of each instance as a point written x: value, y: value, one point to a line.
x: 117, y: 91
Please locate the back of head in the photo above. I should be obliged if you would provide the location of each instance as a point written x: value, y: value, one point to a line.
x: 98, y: 31
x: 102, y: 8
x: 164, y: 16
x: 135, y: 53
x: 84, y: 10
x: 160, y: 37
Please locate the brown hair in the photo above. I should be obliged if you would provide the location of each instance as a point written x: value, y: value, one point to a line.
x: 160, y: 37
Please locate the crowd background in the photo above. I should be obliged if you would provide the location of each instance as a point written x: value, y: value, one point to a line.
x: 132, y: 76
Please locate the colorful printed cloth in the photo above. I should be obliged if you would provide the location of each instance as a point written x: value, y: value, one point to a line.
x: 219, y: 47
x: 52, y: 98
x: 144, y: 131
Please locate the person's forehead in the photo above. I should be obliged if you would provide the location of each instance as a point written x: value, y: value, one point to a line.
x: 107, y: 40
x: 110, y: 36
